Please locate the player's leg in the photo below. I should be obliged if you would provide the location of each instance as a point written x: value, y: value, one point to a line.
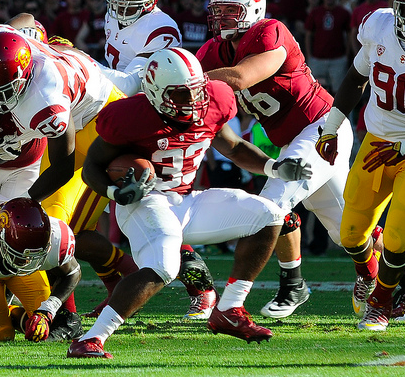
x: 392, y: 261
x: 258, y: 222
x: 155, y: 236
x: 293, y: 290
x: 366, y: 196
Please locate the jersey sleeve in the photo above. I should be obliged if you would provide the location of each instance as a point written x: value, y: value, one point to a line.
x: 62, y: 245
x: 222, y: 103
x: 267, y: 36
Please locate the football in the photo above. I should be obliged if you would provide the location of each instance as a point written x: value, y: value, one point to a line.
x: 118, y: 168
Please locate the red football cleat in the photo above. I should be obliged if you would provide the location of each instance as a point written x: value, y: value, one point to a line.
x: 237, y: 322
x: 88, y: 348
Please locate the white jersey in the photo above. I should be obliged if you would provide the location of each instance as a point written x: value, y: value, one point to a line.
x: 382, y: 59
x: 127, y: 48
x: 63, y: 85
x: 62, y: 246
x: 151, y: 32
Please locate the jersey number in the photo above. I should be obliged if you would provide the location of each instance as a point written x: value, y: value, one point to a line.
x: 387, y: 86
x: 264, y: 103
x: 177, y: 157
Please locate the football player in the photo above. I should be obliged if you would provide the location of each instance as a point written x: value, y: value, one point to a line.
x: 178, y: 116
x: 134, y: 30
x: 30, y: 241
x: 52, y: 96
x: 378, y: 171
x: 260, y: 59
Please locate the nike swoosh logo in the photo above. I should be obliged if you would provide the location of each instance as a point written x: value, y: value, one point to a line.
x: 234, y: 324
x: 197, y: 136
x: 124, y: 42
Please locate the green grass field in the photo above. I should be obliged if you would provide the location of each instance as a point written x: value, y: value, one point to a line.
x: 319, y: 339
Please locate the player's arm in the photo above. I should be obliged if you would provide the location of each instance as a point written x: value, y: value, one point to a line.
x: 129, y: 82
x: 61, y: 151
x: 251, y: 70
x: 249, y: 157
x: 347, y: 96
x: 99, y: 155
x: 64, y: 280
x: 22, y: 20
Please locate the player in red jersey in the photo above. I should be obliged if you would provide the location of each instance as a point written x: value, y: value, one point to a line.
x: 260, y: 59
x: 178, y: 116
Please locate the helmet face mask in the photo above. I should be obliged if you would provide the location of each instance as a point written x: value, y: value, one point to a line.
x: 399, y: 13
x: 128, y: 11
x: 229, y: 18
x: 175, y: 85
x: 24, y: 236
x: 16, y: 67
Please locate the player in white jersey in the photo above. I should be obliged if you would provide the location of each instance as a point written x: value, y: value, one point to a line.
x: 133, y: 33
x: 31, y: 241
x: 377, y: 174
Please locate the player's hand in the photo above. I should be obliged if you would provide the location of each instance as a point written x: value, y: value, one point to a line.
x: 292, y: 169
x: 385, y: 153
x: 37, y: 326
x: 133, y: 190
x: 326, y: 146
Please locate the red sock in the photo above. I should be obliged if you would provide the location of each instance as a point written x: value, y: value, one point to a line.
x: 70, y: 304
x: 110, y: 281
x: 382, y: 295
x: 368, y: 269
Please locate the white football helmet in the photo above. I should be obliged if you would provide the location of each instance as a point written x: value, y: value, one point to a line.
x: 175, y: 85
x: 247, y: 14
x: 399, y: 12
x: 128, y: 11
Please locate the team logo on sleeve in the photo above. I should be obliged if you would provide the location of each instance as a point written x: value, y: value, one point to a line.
x: 23, y: 56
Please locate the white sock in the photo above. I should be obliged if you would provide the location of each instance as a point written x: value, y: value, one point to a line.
x: 235, y: 294
x: 107, y: 322
x: 290, y: 265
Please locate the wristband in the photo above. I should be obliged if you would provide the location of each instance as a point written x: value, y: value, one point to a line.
x: 334, y: 121
x: 268, y: 168
x: 110, y: 192
x: 51, y: 305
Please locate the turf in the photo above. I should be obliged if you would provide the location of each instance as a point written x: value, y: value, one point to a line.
x: 319, y: 339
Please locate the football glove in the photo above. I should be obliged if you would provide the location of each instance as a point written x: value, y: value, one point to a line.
x: 37, y: 326
x: 133, y: 190
x: 292, y: 169
x: 10, y: 150
x: 385, y: 153
x: 326, y: 146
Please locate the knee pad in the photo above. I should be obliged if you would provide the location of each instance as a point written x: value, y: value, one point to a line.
x: 292, y: 221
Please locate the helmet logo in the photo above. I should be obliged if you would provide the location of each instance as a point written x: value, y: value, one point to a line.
x: 23, y: 56
x: 4, y: 219
x: 151, y: 71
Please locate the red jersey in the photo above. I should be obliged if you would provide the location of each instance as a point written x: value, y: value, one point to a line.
x: 284, y: 103
x: 329, y: 28
x: 176, y: 155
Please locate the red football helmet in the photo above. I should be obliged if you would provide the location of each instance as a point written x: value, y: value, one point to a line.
x: 25, y: 233
x: 15, y: 69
